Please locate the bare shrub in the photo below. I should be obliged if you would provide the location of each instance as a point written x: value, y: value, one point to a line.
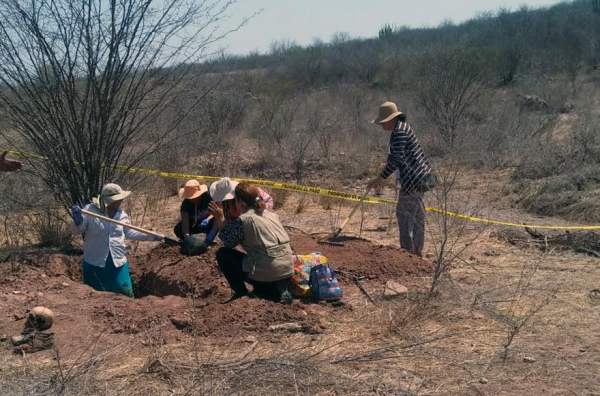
x: 393, y: 75
x: 573, y: 55
x: 449, y: 84
x: 306, y: 65
x: 304, y: 202
x: 508, y: 137
x: 50, y: 227
x: 280, y: 197
x: 364, y: 63
x: 276, y: 113
x: 355, y: 104
x: 327, y: 203
x: 323, y: 123
x: 451, y: 235
x: 515, y: 305
x: 86, y: 83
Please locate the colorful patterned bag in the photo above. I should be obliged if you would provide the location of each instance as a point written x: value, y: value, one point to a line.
x: 300, y: 282
x: 324, y: 284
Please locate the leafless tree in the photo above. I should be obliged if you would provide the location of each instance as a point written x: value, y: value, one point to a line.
x: 355, y: 101
x: 275, y: 117
x: 306, y: 64
x: 302, y: 138
x: 573, y: 55
x: 323, y: 126
x: 451, y: 235
x: 449, y: 84
x: 84, y: 82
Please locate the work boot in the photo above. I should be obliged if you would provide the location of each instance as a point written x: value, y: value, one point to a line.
x: 37, y: 342
x: 22, y: 338
x: 285, y: 297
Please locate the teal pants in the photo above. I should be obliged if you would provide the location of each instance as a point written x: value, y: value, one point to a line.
x: 109, y: 278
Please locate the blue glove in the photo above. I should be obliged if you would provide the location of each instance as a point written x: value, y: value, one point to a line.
x: 76, y: 214
x: 205, y: 223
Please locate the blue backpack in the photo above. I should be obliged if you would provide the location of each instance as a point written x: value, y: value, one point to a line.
x: 323, y: 283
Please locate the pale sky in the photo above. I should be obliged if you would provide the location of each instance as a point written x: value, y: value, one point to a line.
x: 303, y: 20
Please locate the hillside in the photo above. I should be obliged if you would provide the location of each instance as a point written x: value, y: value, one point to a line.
x: 505, y: 105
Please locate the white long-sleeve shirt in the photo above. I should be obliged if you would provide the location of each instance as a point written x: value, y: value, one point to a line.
x: 103, y: 237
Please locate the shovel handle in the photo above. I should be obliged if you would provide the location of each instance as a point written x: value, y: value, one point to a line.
x: 156, y: 234
x: 339, y: 230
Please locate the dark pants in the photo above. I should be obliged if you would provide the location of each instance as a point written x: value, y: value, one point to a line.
x: 194, y: 230
x: 411, y: 221
x: 230, y: 262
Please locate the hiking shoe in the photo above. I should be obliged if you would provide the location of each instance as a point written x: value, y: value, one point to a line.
x: 22, y: 338
x: 286, y: 298
x: 37, y: 342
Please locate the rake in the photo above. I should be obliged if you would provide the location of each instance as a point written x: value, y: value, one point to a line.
x: 329, y: 240
x: 168, y: 240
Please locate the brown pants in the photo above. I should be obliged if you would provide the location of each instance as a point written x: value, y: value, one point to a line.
x: 410, y: 212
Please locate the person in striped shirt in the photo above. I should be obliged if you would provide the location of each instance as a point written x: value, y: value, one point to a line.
x: 411, y: 167
x: 105, y: 266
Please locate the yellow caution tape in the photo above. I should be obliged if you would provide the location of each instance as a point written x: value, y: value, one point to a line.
x: 327, y: 193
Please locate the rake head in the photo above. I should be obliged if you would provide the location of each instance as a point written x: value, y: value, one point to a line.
x: 332, y: 239
x: 330, y: 243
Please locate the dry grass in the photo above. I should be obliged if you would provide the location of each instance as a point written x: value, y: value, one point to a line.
x: 450, y: 343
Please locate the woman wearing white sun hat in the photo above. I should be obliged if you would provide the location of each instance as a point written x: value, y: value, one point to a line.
x: 105, y: 266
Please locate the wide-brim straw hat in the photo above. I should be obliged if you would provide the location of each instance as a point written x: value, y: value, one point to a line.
x: 387, y: 112
x: 110, y: 193
x: 192, y: 189
x: 223, y: 189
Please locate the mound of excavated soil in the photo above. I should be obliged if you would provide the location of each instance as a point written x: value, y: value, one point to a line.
x: 183, y: 293
x: 365, y: 259
x: 164, y: 271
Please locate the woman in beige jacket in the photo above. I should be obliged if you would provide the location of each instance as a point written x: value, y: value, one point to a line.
x: 267, y: 263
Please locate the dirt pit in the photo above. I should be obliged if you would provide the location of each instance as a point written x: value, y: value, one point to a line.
x: 188, y: 294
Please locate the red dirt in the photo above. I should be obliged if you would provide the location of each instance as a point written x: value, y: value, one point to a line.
x: 181, y: 294
x: 365, y: 259
x: 164, y: 271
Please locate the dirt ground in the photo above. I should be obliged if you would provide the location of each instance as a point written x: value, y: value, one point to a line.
x: 180, y: 339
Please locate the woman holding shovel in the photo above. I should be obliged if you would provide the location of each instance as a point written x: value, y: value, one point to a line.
x: 105, y: 266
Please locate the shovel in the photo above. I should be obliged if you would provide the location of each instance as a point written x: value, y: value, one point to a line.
x: 168, y: 240
x: 329, y: 240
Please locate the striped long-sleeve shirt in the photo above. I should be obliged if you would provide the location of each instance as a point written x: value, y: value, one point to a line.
x: 103, y: 238
x: 406, y: 157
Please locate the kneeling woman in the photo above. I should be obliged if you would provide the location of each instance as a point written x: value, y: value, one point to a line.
x: 105, y: 266
x: 267, y: 263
